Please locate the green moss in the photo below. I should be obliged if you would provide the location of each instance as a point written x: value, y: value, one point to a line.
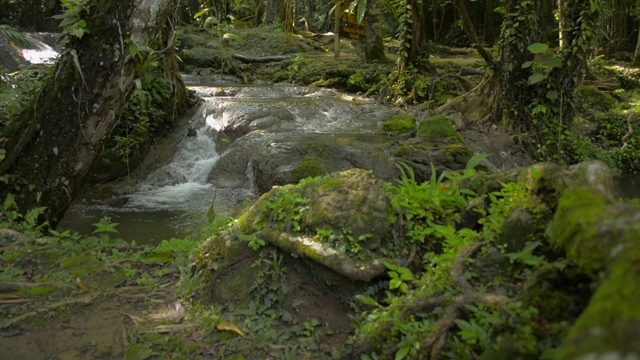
x: 573, y: 228
x: 461, y: 154
x: 596, y: 99
x: 614, y: 307
x: 37, y: 291
x: 80, y: 265
x: 438, y: 127
x: 400, y: 124
x: 308, y: 167
x: 403, y: 150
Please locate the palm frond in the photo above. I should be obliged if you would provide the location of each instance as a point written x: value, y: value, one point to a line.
x: 12, y: 35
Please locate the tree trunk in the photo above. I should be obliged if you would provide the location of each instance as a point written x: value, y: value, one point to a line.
x: 561, y: 25
x: 273, y: 11
x: 413, y: 49
x: 373, y: 46
x: 636, y: 55
x: 57, y: 139
x: 543, y: 107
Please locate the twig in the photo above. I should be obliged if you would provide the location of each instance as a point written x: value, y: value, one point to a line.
x: 436, y: 341
x: 81, y: 300
x: 15, y: 286
x: 629, y: 133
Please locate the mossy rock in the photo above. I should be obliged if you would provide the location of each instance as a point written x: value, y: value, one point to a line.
x: 201, y: 57
x: 438, y: 127
x: 596, y: 99
x: 400, y: 124
x: 308, y: 167
x: 352, y: 202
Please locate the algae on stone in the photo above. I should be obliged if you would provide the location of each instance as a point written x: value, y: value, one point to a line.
x: 400, y: 124
x: 438, y: 127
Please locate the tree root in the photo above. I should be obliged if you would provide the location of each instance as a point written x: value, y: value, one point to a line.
x: 341, y: 263
x: 421, y: 300
x: 16, y: 286
x: 83, y: 300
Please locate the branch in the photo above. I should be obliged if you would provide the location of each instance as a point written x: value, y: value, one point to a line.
x: 424, y: 301
x: 261, y: 59
x: 471, y: 32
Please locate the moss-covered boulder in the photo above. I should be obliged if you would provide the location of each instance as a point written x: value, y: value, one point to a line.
x: 420, y: 153
x: 595, y: 99
x: 438, y: 127
x: 350, y: 202
x: 201, y: 57
x: 399, y: 124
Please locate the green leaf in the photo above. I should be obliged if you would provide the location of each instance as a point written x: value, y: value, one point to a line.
x: 395, y: 283
x: 475, y: 161
x: 368, y: 300
x: 552, y: 95
x: 527, y: 64
x: 78, y: 32
x: 232, y: 37
x: 362, y: 8
x: 405, y: 274
x: 536, y: 78
x: 552, y: 61
x: 538, y: 48
x: 402, y: 353
x: 133, y: 49
x: 200, y: 13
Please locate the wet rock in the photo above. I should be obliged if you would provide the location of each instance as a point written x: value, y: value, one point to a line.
x: 297, y: 156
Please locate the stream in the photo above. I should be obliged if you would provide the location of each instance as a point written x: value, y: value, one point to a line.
x: 172, y: 201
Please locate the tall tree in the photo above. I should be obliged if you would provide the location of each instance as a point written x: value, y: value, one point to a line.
x: 54, y: 142
x: 532, y: 87
x: 274, y: 11
x: 413, y: 47
x: 374, y: 45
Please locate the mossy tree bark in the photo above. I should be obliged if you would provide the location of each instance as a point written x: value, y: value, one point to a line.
x: 533, y: 91
x: 56, y: 140
x: 374, y: 46
x: 413, y: 47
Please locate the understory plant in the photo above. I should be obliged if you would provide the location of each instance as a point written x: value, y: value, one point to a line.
x: 460, y: 294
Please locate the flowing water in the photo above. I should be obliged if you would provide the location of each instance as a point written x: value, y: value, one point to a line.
x: 173, y: 200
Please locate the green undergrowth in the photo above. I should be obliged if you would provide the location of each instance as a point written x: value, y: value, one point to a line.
x: 605, y: 128
x: 500, y: 309
x: 461, y: 273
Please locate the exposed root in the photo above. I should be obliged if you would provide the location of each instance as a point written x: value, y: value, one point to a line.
x: 421, y: 300
x: 341, y: 263
x: 83, y: 300
x: 17, y: 286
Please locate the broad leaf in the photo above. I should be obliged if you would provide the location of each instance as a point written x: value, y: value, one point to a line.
x: 232, y: 37
x: 475, y: 160
x: 362, y: 9
x: 536, y: 78
x: 538, y: 48
x: 552, y: 61
x: 527, y: 64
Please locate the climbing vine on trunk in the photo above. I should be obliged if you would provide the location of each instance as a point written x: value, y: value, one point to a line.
x: 537, y: 85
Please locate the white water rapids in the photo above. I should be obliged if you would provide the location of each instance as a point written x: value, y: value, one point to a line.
x: 181, y: 184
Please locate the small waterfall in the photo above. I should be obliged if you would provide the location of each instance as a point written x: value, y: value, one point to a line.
x: 181, y: 184
x: 38, y: 52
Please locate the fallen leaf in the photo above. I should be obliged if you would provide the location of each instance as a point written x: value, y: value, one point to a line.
x: 227, y: 326
x: 176, y: 313
x: 81, y: 286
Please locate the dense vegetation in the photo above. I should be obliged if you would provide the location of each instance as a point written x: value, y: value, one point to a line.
x: 467, y: 264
